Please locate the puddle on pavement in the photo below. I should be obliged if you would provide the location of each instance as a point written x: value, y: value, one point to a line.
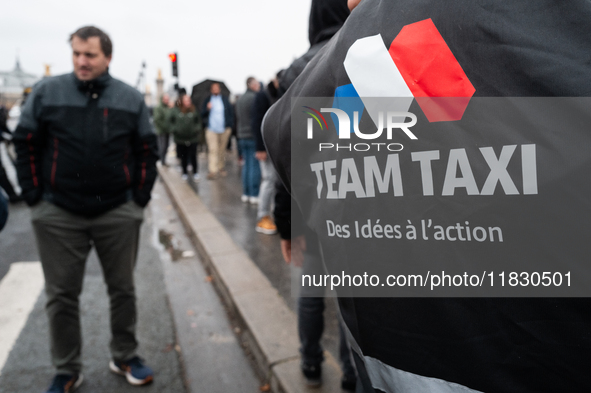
x: 168, y: 241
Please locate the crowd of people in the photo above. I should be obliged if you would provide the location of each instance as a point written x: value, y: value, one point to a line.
x: 87, y: 163
x: 260, y: 186
x: 210, y: 130
x: 66, y: 214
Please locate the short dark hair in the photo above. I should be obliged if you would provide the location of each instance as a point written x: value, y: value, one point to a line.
x: 250, y: 80
x: 84, y: 33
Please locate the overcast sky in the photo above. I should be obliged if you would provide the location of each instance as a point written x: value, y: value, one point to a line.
x: 219, y: 39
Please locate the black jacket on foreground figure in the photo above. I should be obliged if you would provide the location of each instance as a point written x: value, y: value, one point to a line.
x: 506, y: 49
x: 326, y: 18
x: 87, y: 147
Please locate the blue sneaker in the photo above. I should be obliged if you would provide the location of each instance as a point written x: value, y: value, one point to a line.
x: 134, y: 370
x: 65, y: 383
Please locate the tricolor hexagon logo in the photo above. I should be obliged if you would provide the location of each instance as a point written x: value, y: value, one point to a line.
x: 417, y: 65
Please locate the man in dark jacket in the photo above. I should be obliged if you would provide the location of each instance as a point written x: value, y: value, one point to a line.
x: 251, y: 171
x: 504, y: 51
x: 218, y: 116
x: 86, y: 164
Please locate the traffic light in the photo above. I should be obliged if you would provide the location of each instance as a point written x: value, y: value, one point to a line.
x: 174, y: 60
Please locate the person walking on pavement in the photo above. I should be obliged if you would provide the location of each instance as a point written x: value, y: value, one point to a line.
x: 186, y: 128
x: 3, y: 211
x: 162, y: 126
x: 5, y: 184
x: 87, y: 163
x: 176, y: 104
x: 251, y: 171
x: 299, y: 244
x: 262, y: 102
x: 217, y: 113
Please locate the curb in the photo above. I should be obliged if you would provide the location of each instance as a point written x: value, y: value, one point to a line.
x: 268, y: 326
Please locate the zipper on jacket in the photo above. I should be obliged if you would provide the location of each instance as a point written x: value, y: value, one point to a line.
x: 143, y: 179
x: 105, y: 124
x: 125, y: 168
x: 32, y: 159
x: 54, y: 164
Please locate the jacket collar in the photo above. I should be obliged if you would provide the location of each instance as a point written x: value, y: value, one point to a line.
x: 93, y: 86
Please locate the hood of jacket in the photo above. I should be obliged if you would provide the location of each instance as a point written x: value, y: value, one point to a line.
x: 326, y: 18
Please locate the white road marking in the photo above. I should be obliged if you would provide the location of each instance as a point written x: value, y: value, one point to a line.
x: 19, y: 291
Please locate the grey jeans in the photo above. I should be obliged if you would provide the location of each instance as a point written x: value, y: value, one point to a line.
x: 267, y: 190
x: 64, y: 241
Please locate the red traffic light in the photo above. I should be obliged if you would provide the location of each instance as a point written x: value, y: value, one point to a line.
x: 174, y: 61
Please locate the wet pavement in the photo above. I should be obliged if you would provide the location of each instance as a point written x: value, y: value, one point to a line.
x: 173, y: 331
x: 183, y: 327
x: 27, y: 367
x: 222, y: 197
x: 184, y: 330
x: 213, y: 358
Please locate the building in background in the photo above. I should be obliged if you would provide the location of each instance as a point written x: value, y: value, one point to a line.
x: 148, y: 97
x: 13, y: 83
x: 159, y: 86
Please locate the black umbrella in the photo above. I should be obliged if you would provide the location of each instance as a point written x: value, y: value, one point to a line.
x: 201, y: 91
